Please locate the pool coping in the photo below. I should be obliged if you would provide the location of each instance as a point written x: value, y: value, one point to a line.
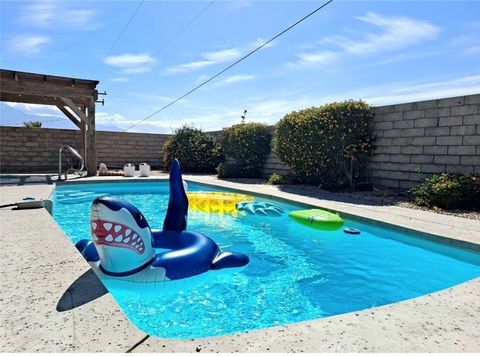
x: 345, y: 332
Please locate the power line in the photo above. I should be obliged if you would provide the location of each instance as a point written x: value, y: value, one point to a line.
x: 231, y: 65
x: 125, y: 27
x: 175, y: 36
x: 41, y: 121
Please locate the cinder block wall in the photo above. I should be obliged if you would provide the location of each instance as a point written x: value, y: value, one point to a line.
x: 117, y: 148
x: 36, y: 149
x: 415, y: 140
x: 33, y: 150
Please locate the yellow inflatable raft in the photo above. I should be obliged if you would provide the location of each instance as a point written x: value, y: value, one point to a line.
x: 216, y: 202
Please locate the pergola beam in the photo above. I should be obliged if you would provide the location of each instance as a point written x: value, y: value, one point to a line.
x: 72, y: 117
x: 34, y: 99
x: 75, y: 109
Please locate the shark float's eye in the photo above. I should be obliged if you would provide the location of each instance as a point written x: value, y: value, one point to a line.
x: 139, y: 217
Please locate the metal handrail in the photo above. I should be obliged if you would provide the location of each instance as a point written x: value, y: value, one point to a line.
x: 71, y: 169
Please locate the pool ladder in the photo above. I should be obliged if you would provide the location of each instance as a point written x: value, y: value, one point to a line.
x: 71, y: 169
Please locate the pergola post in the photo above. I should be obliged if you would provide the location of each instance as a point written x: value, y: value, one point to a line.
x: 83, y: 135
x: 91, y: 149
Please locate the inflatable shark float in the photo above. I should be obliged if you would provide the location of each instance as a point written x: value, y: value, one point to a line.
x: 123, y: 244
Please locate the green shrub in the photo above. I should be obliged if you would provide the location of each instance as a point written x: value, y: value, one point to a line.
x: 227, y: 171
x: 328, y: 145
x: 275, y: 179
x: 448, y: 191
x: 221, y: 171
x: 246, y: 147
x: 197, y: 151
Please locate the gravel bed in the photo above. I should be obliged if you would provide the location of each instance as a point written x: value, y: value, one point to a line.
x: 376, y: 197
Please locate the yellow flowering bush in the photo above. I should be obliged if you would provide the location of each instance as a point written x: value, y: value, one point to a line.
x: 448, y: 191
x: 328, y: 145
x: 197, y: 151
x: 246, y: 147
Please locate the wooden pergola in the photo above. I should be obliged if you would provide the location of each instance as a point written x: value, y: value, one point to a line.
x: 74, y: 97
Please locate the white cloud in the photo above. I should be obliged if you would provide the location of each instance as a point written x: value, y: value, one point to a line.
x: 120, y: 79
x: 426, y: 91
x: 212, y: 58
x: 426, y: 95
x: 208, y: 59
x: 474, y: 50
x: 223, y: 55
x: 118, y: 122
x: 28, y: 44
x: 235, y: 79
x: 396, y: 33
x: 452, y: 83
x: 36, y: 109
x: 406, y: 56
x: 153, y: 98
x: 270, y: 111
x: 40, y: 13
x: 49, y: 14
x: 131, y: 63
x: 238, y: 5
x: 137, y: 70
x: 260, y: 41
x: 128, y: 60
x: 316, y: 58
x: 104, y: 117
x: 80, y: 18
x: 188, y: 67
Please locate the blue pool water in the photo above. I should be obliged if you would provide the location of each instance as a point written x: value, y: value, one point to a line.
x: 295, y: 272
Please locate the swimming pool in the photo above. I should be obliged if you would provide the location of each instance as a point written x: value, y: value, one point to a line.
x: 295, y: 272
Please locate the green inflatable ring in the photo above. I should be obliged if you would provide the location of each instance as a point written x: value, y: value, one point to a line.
x: 317, y: 218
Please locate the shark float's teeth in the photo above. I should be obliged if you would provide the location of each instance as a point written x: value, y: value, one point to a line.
x: 120, y: 236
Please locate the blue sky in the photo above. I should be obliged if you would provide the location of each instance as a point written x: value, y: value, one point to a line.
x: 380, y: 51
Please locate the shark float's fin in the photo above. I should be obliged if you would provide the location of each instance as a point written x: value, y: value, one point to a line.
x: 229, y: 259
x: 176, y: 218
x: 88, y: 250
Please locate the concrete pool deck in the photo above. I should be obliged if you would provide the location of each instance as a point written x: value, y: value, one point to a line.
x: 44, y: 305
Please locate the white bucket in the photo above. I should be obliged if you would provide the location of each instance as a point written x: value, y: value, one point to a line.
x: 144, y: 170
x: 129, y: 170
